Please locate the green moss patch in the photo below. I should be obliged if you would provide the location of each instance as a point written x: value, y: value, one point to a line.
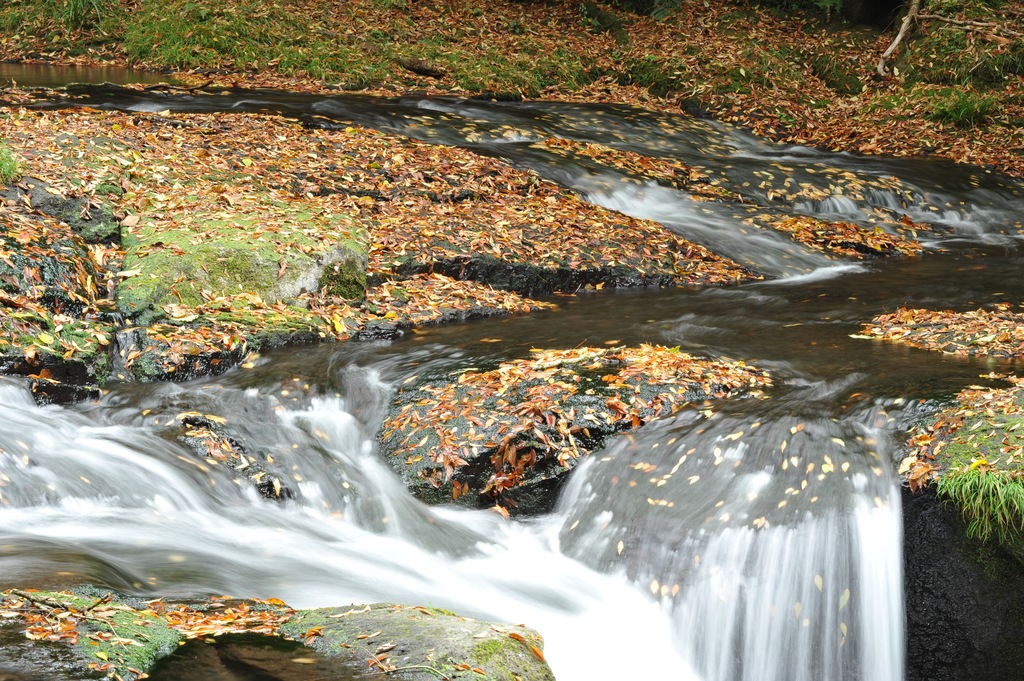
x: 115, y: 636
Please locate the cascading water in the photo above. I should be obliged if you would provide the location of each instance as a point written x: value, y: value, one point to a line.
x: 755, y: 540
x: 772, y: 539
x: 116, y: 504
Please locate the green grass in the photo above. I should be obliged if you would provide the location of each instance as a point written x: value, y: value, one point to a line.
x: 67, y: 15
x: 962, y: 108
x: 992, y: 502
x: 10, y: 167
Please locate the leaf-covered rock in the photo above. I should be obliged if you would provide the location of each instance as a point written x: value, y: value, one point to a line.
x: 998, y: 332
x: 53, y: 317
x: 508, y: 435
x: 88, y: 633
x: 418, y: 643
x: 973, y: 451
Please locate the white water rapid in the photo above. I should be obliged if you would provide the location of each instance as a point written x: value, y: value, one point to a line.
x: 106, y: 496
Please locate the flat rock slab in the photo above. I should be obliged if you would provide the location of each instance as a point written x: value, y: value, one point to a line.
x: 417, y: 643
x: 509, y: 434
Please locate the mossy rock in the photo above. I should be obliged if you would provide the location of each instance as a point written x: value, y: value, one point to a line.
x: 973, y: 452
x: 96, y: 642
x: 207, y: 256
x: 167, y: 277
x: 423, y: 643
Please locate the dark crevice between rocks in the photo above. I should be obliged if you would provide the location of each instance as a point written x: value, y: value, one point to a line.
x: 528, y: 279
x: 249, y: 657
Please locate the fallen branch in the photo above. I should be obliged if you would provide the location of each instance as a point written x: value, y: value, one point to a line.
x: 48, y: 603
x: 395, y: 670
x: 980, y: 26
x: 915, y: 7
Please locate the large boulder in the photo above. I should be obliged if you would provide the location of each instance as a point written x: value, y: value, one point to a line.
x: 965, y: 597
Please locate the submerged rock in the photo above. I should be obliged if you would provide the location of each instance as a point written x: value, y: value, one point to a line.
x: 211, y: 442
x: 508, y: 435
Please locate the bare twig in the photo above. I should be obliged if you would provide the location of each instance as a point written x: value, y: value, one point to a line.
x: 915, y: 7
x: 440, y: 674
x: 48, y: 603
x: 105, y: 599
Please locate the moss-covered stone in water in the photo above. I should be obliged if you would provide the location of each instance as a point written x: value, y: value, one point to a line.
x: 974, y: 451
x: 204, y: 254
x: 423, y: 638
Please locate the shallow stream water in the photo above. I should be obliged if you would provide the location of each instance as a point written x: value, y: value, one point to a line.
x: 759, y: 540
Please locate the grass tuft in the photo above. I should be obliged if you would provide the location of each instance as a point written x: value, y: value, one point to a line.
x: 962, y: 108
x: 10, y: 167
x: 992, y: 503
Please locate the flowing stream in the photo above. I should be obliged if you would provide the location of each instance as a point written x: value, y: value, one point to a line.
x: 758, y: 540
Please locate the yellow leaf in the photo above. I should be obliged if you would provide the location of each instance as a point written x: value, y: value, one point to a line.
x: 45, y: 338
x: 102, y: 655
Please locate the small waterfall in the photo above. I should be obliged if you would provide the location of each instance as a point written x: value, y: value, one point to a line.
x: 772, y: 539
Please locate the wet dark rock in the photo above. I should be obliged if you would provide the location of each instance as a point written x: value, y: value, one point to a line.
x: 25, y: 660
x: 528, y: 279
x: 210, y: 440
x: 964, y: 598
